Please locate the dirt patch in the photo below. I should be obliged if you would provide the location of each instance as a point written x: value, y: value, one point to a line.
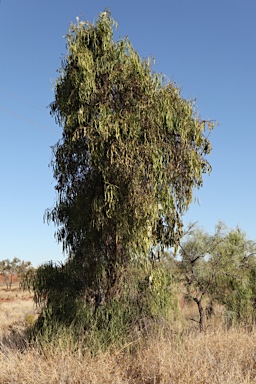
x: 11, y: 300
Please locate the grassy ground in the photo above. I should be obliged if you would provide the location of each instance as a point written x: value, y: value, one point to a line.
x: 178, y: 355
x: 15, y: 307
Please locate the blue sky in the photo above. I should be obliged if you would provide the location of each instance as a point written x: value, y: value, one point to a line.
x: 207, y: 47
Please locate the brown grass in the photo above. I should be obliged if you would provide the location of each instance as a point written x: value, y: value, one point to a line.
x: 174, y: 356
x: 15, y: 306
x: 14, y: 294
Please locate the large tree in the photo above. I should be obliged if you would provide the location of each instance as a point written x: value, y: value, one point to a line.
x: 131, y: 153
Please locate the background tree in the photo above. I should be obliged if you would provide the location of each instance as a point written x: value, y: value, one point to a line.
x: 131, y: 153
x: 9, y: 268
x: 234, y: 286
x: 197, y: 273
x: 219, y: 267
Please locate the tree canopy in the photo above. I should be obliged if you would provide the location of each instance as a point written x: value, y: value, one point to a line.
x: 131, y: 153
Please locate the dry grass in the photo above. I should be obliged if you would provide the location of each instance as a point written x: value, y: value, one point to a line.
x: 14, y: 294
x: 217, y: 356
x: 220, y: 357
x: 17, y: 310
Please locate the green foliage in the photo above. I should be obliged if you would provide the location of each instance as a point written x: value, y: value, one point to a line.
x: 58, y: 288
x: 221, y: 266
x: 131, y: 153
x: 147, y: 297
x: 239, y: 304
x: 16, y: 266
x: 233, y: 286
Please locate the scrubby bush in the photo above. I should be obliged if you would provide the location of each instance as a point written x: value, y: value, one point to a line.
x: 146, y: 296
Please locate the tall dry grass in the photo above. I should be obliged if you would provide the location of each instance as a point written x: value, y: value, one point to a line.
x: 180, y: 354
x: 216, y: 357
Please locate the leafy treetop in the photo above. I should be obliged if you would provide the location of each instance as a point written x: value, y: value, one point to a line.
x: 131, y: 153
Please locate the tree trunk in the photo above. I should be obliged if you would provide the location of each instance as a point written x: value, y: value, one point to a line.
x: 201, y: 314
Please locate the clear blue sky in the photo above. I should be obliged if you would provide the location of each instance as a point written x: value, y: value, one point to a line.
x: 207, y: 47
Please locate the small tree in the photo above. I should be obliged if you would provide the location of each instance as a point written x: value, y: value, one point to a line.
x: 218, y: 266
x: 198, y: 273
x: 131, y: 153
x: 234, y: 286
x: 9, y: 268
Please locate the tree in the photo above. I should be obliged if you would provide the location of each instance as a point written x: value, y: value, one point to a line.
x: 197, y: 272
x: 9, y: 268
x: 131, y: 153
x: 219, y: 266
x: 234, y: 286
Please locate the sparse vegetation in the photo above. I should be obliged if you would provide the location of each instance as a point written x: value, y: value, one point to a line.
x: 176, y: 354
